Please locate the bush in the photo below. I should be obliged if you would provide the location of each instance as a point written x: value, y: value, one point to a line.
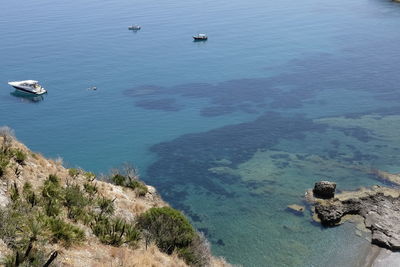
x: 90, y: 176
x: 73, y: 172
x: 53, y: 208
x: 118, y: 179
x: 52, y: 189
x: 138, y: 186
x: 198, y: 253
x: 75, y: 201
x: 29, y: 196
x: 115, y: 232
x: 90, y: 189
x: 52, y: 193
x: 130, y: 180
x: 106, y: 206
x: 29, y: 256
x: 64, y: 232
x: 20, y: 156
x: 4, y: 161
x: 14, y: 193
x: 169, y: 228
x: 25, y: 231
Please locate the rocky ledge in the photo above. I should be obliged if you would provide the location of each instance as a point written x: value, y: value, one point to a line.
x: 379, y: 206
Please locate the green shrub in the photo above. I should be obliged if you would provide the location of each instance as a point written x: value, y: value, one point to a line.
x: 64, y: 232
x: 53, y: 208
x: 75, y: 202
x: 29, y: 196
x: 90, y: 189
x: 4, y: 161
x: 14, y: 192
x: 198, y: 253
x: 28, y: 257
x: 88, y: 217
x: 11, y: 218
x: 132, y: 235
x: 52, y: 188
x: 118, y: 179
x: 89, y: 176
x: 142, y: 191
x: 188, y: 255
x: 54, y: 179
x: 115, y: 232
x: 52, y: 193
x: 169, y: 228
x: 20, y: 156
x: 73, y: 172
x: 20, y: 225
x: 106, y: 206
x: 139, y: 187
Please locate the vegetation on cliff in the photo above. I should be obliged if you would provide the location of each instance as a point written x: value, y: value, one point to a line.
x: 48, y: 212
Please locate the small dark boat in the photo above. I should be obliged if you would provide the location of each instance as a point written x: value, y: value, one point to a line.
x: 134, y: 27
x: 200, y: 37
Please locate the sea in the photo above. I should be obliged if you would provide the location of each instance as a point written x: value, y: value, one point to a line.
x: 231, y: 130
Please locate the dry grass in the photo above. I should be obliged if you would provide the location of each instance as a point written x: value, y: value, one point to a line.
x: 220, y: 262
x: 107, y: 256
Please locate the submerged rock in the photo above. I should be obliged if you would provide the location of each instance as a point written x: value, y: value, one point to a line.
x: 386, y: 176
x: 296, y: 209
x: 379, y: 206
x: 324, y: 189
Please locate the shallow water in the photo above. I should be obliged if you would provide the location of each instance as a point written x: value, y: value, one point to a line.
x: 231, y: 130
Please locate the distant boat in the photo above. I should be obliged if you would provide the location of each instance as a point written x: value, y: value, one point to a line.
x: 134, y: 27
x: 29, y: 86
x: 200, y: 37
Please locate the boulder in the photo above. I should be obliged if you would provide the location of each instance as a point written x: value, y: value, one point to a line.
x: 330, y: 214
x: 324, y: 189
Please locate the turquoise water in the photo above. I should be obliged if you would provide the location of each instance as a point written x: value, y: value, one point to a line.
x: 231, y: 130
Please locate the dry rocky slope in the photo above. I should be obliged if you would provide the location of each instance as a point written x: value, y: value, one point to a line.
x: 91, y: 252
x: 378, y: 206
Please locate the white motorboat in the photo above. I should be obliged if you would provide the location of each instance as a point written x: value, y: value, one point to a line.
x: 29, y: 86
x: 200, y: 37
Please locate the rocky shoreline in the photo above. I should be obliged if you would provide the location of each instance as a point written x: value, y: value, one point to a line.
x: 378, y: 207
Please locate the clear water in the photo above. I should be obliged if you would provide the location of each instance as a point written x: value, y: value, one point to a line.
x: 231, y: 130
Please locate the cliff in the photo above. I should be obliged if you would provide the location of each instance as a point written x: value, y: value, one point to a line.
x: 66, y: 217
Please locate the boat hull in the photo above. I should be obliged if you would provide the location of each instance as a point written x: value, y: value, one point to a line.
x: 29, y: 91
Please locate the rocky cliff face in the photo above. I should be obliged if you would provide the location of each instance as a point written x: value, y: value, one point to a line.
x: 26, y: 167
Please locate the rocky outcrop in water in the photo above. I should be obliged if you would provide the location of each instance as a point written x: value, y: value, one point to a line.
x: 324, y: 189
x: 379, y: 206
